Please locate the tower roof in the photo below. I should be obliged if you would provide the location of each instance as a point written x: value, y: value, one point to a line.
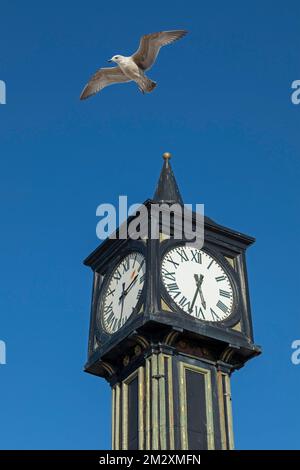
x: 167, y: 189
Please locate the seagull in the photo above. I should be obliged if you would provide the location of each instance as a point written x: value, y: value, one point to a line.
x: 132, y: 68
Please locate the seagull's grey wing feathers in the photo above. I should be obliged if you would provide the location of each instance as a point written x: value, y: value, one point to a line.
x: 150, y: 45
x: 102, y: 78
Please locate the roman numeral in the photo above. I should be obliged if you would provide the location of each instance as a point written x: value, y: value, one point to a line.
x: 134, y: 260
x: 196, y: 256
x: 172, y: 287
x: 108, y: 314
x: 220, y: 278
x: 222, y: 306
x: 110, y: 318
x: 117, y: 275
x: 214, y: 315
x: 183, y: 302
x: 183, y: 255
x: 170, y: 276
x: 110, y: 292
x: 121, y: 321
x: 142, y: 278
x: 126, y: 265
x: 225, y: 293
x: 107, y: 309
x: 141, y: 265
x: 114, y: 324
x: 138, y: 295
x: 169, y: 259
x: 198, y: 312
x: 210, y: 264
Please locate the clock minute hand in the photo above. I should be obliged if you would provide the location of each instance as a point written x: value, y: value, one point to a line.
x: 199, y: 281
x: 198, y: 284
x: 194, y: 300
x: 202, y: 298
x: 125, y: 291
x: 131, y: 284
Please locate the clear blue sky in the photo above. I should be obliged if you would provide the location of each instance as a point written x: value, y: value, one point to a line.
x: 223, y: 108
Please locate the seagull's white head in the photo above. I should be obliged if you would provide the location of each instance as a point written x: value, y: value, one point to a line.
x: 116, y: 58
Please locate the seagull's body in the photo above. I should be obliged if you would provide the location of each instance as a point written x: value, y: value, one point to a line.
x: 132, y: 71
x: 132, y: 68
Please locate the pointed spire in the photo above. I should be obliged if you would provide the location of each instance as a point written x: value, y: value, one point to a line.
x: 167, y: 189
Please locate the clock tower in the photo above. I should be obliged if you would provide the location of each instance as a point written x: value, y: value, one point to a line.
x: 170, y: 323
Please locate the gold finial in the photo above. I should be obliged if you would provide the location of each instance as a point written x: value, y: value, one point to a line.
x: 167, y: 156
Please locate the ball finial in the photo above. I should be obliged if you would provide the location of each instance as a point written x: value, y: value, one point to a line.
x: 166, y: 156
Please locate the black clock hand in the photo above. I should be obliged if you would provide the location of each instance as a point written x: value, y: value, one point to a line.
x: 131, y: 284
x: 198, y: 289
x: 125, y: 292
x: 194, y: 300
x: 122, y: 300
x: 199, y: 283
x: 202, y: 298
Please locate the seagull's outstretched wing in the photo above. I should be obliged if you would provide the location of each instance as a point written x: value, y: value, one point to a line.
x: 150, y: 45
x: 104, y: 77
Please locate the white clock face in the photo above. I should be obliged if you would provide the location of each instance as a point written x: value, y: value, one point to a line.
x: 197, y: 283
x: 123, y: 292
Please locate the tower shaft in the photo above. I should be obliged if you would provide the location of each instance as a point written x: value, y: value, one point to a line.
x: 172, y: 401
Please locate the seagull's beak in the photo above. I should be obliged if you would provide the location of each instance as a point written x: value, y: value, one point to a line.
x: 109, y: 60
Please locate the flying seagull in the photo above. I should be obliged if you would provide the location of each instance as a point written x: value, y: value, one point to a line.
x: 132, y: 68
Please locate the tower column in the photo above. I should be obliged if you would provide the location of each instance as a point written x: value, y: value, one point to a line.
x: 172, y: 401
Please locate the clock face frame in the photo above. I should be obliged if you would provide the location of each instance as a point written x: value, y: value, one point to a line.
x: 206, y: 289
x: 121, y: 294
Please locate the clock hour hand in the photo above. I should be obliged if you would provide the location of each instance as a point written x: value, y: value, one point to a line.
x: 199, y: 281
x: 198, y: 289
x: 122, y: 300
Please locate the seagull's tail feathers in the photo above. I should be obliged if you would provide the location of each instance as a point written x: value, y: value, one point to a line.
x: 146, y: 85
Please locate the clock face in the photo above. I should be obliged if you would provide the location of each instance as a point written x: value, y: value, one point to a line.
x: 123, y: 291
x: 197, y: 283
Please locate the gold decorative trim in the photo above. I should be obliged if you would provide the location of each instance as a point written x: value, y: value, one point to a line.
x: 148, y: 404
x: 117, y: 418
x: 162, y: 403
x: 125, y: 384
x: 163, y: 236
x: 154, y: 402
x: 107, y: 367
x: 113, y: 414
x: 142, y: 341
x: 141, y: 310
x: 170, y: 400
x: 221, y: 410
x: 237, y: 326
x: 227, y: 354
x: 141, y: 401
x: 183, y: 405
x: 230, y: 261
x: 124, y: 444
x: 165, y: 306
x: 227, y: 395
x: 171, y: 337
x: 139, y: 374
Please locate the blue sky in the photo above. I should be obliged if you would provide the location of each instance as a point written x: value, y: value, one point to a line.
x: 223, y: 108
